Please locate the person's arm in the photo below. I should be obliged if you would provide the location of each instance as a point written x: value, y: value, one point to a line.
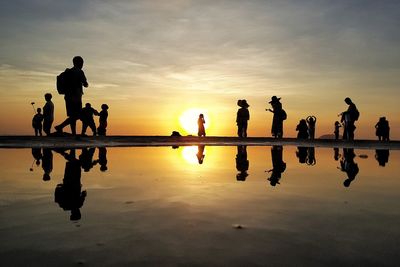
x: 84, y: 80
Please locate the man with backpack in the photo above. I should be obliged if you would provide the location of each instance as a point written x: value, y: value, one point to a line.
x: 70, y: 84
x: 349, y: 117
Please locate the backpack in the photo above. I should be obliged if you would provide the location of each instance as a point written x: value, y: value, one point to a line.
x: 355, y: 115
x: 63, y: 81
x: 283, y: 115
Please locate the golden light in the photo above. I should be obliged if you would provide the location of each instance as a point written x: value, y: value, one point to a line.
x: 188, y: 120
x: 193, y: 155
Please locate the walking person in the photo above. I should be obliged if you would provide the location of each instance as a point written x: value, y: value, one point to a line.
x: 242, y: 117
x: 200, y: 123
x: 349, y: 117
x: 279, y: 117
x: 48, y: 113
x: 75, y: 79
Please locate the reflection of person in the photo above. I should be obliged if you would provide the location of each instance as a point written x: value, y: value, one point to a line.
x: 48, y: 114
x: 349, y: 117
x: 278, y: 165
x: 382, y: 156
x: 47, y: 163
x: 348, y: 165
x: 102, y: 159
x: 382, y: 129
x: 68, y: 195
x: 200, y: 123
x: 37, y: 122
x: 336, y: 154
x: 86, y: 158
x: 37, y: 155
x: 311, y: 161
x: 102, y: 129
x: 242, y: 118
x: 73, y: 95
x: 200, y: 153
x: 242, y: 163
x: 279, y: 117
x: 301, y: 154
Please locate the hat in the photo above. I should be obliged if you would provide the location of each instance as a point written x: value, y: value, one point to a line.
x: 243, y: 103
x: 104, y: 106
x: 274, y: 99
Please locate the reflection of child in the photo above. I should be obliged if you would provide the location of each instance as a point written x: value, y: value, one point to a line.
x: 101, y: 130
x: 87, y: 114
x: 37, y: 122
x: 200, y: 123
x: 336, y: 132
x: 48, y: 113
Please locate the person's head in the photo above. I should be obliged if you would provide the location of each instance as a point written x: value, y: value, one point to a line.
x: 78, y: 62
x: 39, y: 110
x: 104, y: 106
x: 46, y: 177
x: 87, y: 105
x: 274, y: 99
x: 201, y: 115
x: 48, y: 97
x: 348, y: 100
x: 303, y: 121
x: 336, y: 123
x: 243, y: 103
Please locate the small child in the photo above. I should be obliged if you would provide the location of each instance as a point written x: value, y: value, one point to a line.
x: 200, y: 123
x: 336, y: 132
x: 382, y: 129
x: 48, y: 113
x: 87, y: 114
x: 37, y: 122
x: 101, y: 130
x: 302, y: 129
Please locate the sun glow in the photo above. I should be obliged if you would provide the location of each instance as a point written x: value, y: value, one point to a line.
x: 188, y: 120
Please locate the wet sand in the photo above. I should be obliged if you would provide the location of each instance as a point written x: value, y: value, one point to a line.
x: 127, y: 141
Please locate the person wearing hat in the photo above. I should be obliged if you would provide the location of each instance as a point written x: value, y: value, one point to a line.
x: 279, y: 117
x: 242, y: 117
x: 101, y: 130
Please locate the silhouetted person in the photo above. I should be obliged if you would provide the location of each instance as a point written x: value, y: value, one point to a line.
x: 348, y: 165
x: 37, y: 122
x: 242, y: 163
x: 279, y: 117
x: 47, y: 163
x: 68, y: 195
x: 200, y: 122
x: 311, y: 121
x: 200, y: 153
x: 102, y: 158
x: 86, y: 158
x: 311, y: 161
x: 102, y: 129
x: 302, y: 129
x: 48, y: 114
x: 87, y: 119
x: 336, y: 131
x: 37, y: 155
x: 336, y: 154
x: 349, y: 117
x: 382, y: 156
x: 382, y: 129
x: 301, y: 154
x: 278, y: 166
x: 73, y: 95
x: 242, y: 118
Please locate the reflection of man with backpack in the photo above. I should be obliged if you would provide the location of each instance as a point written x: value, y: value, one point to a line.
x: 349, y: 117
x: 69, y: 83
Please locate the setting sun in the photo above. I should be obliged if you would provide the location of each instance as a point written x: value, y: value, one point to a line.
x: 188, y: 120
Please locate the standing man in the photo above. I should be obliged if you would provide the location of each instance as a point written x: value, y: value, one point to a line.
x: 242, y: 117
x: 73, y: 95
x: 349, y: 117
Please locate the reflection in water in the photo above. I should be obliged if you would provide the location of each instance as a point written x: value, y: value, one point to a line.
x: 382, y: 156
x: 37, y: 156
x: 102, y: 160
x: 306, y: 155
x: 68, y: 195
x: 47, y: 163
x: 348, y: 165
x: 278, y: 166
x: 242, y: 164
x: 200, y: 153
x: 336, y: 154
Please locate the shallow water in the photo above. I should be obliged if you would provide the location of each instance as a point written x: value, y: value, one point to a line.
x: 158, y: 206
